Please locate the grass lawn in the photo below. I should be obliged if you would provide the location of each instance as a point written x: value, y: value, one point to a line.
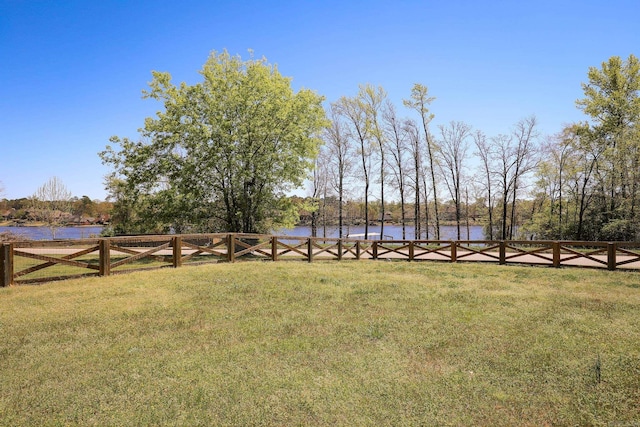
x: 327, y: 343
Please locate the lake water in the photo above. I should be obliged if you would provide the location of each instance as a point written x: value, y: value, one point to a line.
x: 44, y: 233
x: 390, y: 232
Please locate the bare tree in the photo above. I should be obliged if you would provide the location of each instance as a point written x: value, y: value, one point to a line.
x: 51, y: 204
x: 324, y: 190
x: 504, y: 171
x: 525, y: 158
x: 587, y: 155
x: 412, y: 133
x: 515, y: 156
x: 466, y: 210
x: 397, y: 149
x: 420, y: 102
x: 552, y: 177
x: 355, y: 114
x: 453, y: 152
x: 340, y: 157
x: 318, y: 189
x: 486, y: 170
x: 373, y: 100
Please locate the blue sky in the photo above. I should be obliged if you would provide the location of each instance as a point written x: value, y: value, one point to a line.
x: 72, y: 72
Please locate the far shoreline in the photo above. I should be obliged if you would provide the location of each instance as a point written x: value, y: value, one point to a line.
x: 42, y: 224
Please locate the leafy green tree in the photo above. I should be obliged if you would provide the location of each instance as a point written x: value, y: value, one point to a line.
x: 589, y: 182
x: 565, y: 185
x: 222, y: 153
x: 83, y: 207
x: 612, y: 102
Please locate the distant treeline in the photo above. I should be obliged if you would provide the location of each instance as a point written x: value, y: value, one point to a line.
x: 82, y: 210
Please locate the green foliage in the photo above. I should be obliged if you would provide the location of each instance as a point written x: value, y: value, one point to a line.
x: 589, y: 183
x: 612, y: 96
x: 222, y: 153
x: 84, y: 206
x: 618, y: 229
x: 612, y: 100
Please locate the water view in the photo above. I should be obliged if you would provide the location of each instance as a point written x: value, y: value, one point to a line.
x: 44, y: 233
x: 391, y: 232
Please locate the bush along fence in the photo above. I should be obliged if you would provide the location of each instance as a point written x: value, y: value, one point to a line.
x: 42, y: 261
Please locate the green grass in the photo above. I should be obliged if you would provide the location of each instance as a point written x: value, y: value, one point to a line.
x: 349, y: 343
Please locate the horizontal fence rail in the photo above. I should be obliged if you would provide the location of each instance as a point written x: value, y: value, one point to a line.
x: 43, y: 261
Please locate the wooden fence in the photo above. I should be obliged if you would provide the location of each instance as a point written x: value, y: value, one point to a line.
x: 42, y: 261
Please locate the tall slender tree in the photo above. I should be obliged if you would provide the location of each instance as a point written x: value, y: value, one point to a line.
x: 397, y: 149
x: 505, y: 173
x: 373, y: 100
x: 319, y: 185
x: 486, y: 171
x: 356, y: 117
x: 454, y: 147
x: 420, y: 101
x: 525, y: 159
x: 340, y: 156
x: 586, y: 156
x: 413, y: 137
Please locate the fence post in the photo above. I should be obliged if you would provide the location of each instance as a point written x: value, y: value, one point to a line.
x: 611, y: 255
x: 454, y: 251
x: 105, y: 257
x: 310, y: 249
x: 6, y: 265
x: 358, y: 250
x: 177, y: 251
x: 556, y: 254
x: 411, y: 250
x: 375, y: 249
x: 231, y: 248
x: 340, y: 250
x: 3, y: 267
x: 503, y: 252
x: 274, y: 248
